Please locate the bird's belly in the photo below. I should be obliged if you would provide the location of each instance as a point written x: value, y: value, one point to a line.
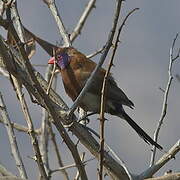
x: 91, y: 102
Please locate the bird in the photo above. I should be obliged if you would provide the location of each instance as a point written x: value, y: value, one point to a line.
x: 75, y: 69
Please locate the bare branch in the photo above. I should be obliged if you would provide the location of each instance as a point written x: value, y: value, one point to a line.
x: 12, y: 139
x: 116, y: 170
x: 11, y: 178
x: 102, y: 58
x: 47, y: 128
x: 170, y: 176
x: 65, y: 174
x: 77, y: 174
x: 40, y: 65
x: 48, y: 78
x: 28, y: 119
x: 4, y: 171
x: 70, y: 166
x: 44, y: 127
x: 16, y: 20
x: 103, y: 98
x: 42, y: 96
x: 96, y: 53
x: 165, y: 99
x: 3, y: 72
x: 2, y: 8
x: 20, y: 128
x: 82, y: 20
x: 161, y: 162
x: 52, y: 6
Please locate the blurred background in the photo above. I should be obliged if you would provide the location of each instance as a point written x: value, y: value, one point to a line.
x: 141, y: 68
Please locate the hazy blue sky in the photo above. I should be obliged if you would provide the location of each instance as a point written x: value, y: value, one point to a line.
x: 141, y: 66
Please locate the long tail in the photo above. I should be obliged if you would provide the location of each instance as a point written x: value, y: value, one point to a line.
x: 140, y: 131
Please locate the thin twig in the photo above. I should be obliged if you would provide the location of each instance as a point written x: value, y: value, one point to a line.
x: 70, y: 166
x: 109, y: 149
x: 34, y: 140
x: 165, y: 99
x: 102, y: 58
x: 43, y: 97
x: 12, y: 139
x: 116, y: 170
x: 96, y: 53
x: 20, y: 39
x: 3, y: 72
x: 52, y: 75
x: 52, y: 6
x: 17, y: 21
x: 161, y: 162
x: 40, y: 65
x: 20, y: 128
x: 103, y: 97
x: 4, y: 171
x: 169, y: 176
x: 56, y: 149
x: 82, y: 20
x: 82, y: 159
x: 2, y: 8
x: 44, y: 138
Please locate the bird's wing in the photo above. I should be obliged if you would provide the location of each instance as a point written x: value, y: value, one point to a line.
x: 83, y: 68
x: 116, y: 94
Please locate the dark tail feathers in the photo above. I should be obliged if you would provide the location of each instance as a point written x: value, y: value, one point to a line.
x: 140, y: 131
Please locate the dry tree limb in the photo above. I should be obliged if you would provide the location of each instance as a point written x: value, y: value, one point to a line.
x: 46, y: 124
x: 82, y: 159
x: 20, y: 34
x: 12, y: 139
x: 44, y: 138
x: 31, y: 132
x: 70, y: 166
x: 45, y: 99
x: 172, y: 59
x: 170, y: 176
x: 21, y: 128
x: 45, y: 117
x: 112, y: 166
x: 4, y: 171
x: 47, y: 129
x: 82, y: 20
x: 47, y: 75
x: 24, y: 35
x: 2, y: 8
x: 56, y: 149
x: 116, y: 169
x: 16, y: 20
x: 52, y: 6
x: 11, y: 178
x: 3, y: 72
x: 161, y: 162
x: 103, y: 98
x: 96, y: 53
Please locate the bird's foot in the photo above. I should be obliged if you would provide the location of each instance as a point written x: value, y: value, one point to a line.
x: 68, y: 119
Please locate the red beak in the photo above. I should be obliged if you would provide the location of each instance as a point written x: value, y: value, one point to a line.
x: 51, y: 60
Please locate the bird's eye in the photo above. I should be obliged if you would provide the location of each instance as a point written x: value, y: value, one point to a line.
x: 59, y: 57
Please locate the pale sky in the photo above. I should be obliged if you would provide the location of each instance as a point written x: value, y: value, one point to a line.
x: 141, y: 67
